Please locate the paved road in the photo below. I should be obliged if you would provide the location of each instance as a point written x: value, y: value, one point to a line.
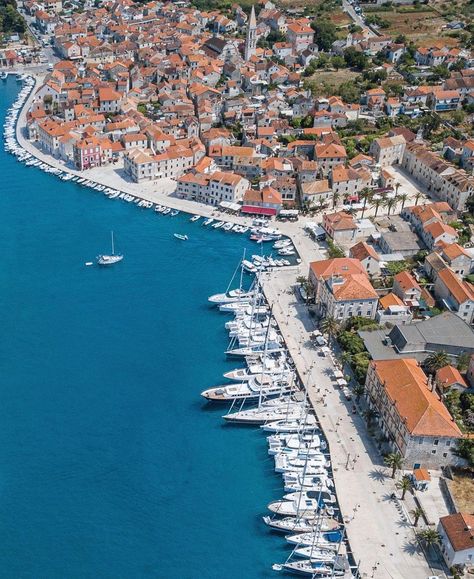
x: 356, y: 17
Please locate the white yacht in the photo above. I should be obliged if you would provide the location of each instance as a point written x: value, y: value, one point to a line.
x: 263, y: 386
x: 232, y: 296
x: 105, y: 259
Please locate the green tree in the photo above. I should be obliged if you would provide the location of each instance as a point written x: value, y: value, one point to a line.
x: 403, y: 197
x: 377, y: 202
x: 359, y: 391
x: 390, y: 203
x: 394, y: 460
x: 338, y: 62
x: 465, y: 449
x: 430, y: 537
x: 404, y: 484
x: 365, y: 195
x: 416, y: 513
x: 463, y: 361
x: 330, y: 327
x: 355, y: 59
x: 437, y: 360
x: 370, y: 415
x: 325, y: 34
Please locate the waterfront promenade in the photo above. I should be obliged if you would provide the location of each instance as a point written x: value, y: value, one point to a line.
x: 384, y: 545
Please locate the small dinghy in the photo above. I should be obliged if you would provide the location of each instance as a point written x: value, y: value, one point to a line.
x: 182, y: 237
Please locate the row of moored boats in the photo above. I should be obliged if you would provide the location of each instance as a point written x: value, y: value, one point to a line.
x: 264, y: 391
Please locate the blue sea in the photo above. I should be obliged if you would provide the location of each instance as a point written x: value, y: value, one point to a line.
x: 111, y: 464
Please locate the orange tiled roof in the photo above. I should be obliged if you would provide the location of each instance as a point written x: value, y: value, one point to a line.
x: 406, y: 385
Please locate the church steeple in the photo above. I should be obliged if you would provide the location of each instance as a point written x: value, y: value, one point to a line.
x: 251, y: 37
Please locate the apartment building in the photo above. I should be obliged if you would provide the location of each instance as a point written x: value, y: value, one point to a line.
x: 411, y: 414
x: 388, y: 150
x: 342, y: 289
x: 443, y: 179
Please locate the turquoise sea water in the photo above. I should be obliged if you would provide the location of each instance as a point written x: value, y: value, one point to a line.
x: 111, y: 466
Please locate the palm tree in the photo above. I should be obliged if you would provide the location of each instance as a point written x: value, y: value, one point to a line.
x: 416, y: 514
x: 335, y: 198
x: 390, y: 203
x: 397, y: 187
x: 377, y: 202
x: 330, y: 326
x: 394, y: 461
x: 359, y: 391
x: 417, y: 197
x: 370, y: 415
x: 345, y: 358
x: 403, y: 197
x: 430, y: 537
x: 404, y: 484
x: 366, y: 195
x: 437, y: 360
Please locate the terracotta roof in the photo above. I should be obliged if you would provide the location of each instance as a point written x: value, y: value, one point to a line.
x: 406, y: 280
x: 340, y: 221
x: 421, y: 474
x: 454, y: 250
x: 461, y: 291
x: 421, y: 409
x: 362, y: 250
x: 459, y: 529
x: 449, y: 375
x: 390, y: 300
x: 353, y: 287
x: 337, y: 266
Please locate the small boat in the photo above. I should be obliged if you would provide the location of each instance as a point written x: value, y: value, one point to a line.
x: 179, y: 236
x: 166, y: 211
x: 195, y: 218
x: 174, y: 213
x: 105, y: 259
x: 88, y: 263
x: 227, y: 226
x: 208, y: 221
x: 286, y: 251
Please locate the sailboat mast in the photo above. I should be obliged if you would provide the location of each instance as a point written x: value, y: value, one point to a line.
x: 112, y: 235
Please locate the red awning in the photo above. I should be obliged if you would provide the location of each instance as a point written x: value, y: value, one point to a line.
x: 353, y: 198
x: 258, y: 210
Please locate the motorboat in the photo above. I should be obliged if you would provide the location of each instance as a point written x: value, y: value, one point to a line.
x: 263, y: 386
x: 236, y: 295
x: 174, y: 213
x: 181, y: 237
x: 195, y: 218
x: 111, y: 259
x: 208, y: 221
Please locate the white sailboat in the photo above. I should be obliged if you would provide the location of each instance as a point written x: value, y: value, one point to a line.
x: 105, y: 259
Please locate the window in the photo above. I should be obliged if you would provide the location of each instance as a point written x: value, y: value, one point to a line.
x: 448, y: 443
x: 436, y: 441
x: 445, y: 454
x: 433, y: 452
